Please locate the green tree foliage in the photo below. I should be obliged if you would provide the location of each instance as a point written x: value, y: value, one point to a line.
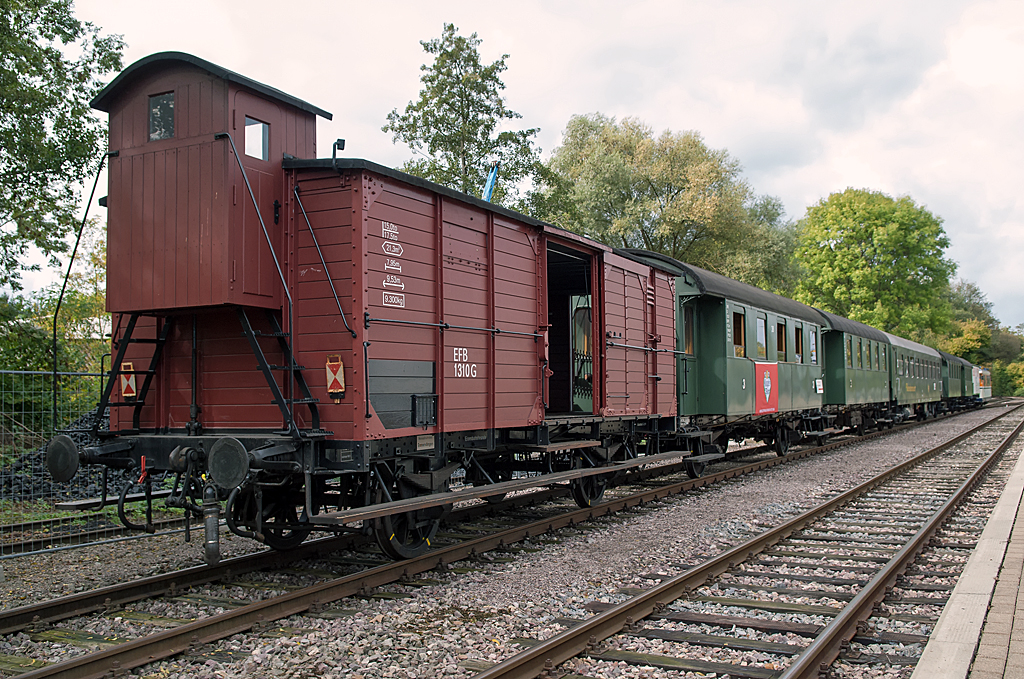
x: 50, y: 67
x: 455, y: 124
x: 877, y: 260
x: 617, y: 182
x: 765, y: 257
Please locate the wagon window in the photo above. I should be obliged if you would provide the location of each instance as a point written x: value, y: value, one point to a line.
x: 878, y: 362
x: 884, y: 354
x: 739, y: 336
x: 849, y: 351
x: 814, y: 346
x: 780, y: 342
x: 161, y: 116
x: 688, y: 330
x: 257, y: 139
x: 762, y: 339
x: 860, y: 353
x: 798, y: 344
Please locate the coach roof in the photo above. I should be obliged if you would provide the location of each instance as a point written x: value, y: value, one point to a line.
x: 717, y: 285
x: 105, y: 99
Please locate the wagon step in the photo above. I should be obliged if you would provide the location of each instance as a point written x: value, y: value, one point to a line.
x: 561, y: 445
x: 706, y: 457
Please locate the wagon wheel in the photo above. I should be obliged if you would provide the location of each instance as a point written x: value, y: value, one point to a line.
x: 781, y: 441
x: 279, y: 528
x: 587, y: 490
x: 407, y: 535
x: 695, y: 468
x: 279, y: 523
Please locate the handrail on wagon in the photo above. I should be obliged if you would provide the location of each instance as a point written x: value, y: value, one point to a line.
x: 330, y: 281
x: 447, y: 326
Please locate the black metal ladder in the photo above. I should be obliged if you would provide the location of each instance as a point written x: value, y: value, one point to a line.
x: 284, y: 401
x: 116, y: 372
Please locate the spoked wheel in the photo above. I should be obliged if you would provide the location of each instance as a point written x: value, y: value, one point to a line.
x: 279, y: 523
x: 587, y: 490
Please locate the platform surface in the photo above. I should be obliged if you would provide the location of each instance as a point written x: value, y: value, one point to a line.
x: 980, y: 634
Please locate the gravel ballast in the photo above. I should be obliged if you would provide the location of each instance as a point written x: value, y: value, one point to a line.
x: 473, y: 617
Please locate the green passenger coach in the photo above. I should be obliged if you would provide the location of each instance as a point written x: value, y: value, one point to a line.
x: 916, y: 377
x: 748, y: 360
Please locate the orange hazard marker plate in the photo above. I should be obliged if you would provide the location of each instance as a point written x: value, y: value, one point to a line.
x: 127, y: 381
x: 335, y: 375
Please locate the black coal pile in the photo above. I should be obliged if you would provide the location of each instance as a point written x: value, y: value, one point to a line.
x: 27, y: 478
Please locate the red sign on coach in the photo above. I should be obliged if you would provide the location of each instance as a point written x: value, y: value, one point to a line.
x: 127, y: 381
x: 766, y: 390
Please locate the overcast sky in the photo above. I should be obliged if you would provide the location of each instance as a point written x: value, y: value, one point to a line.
x: 924, y: 99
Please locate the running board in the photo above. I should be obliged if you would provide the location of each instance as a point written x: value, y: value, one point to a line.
x: 476, y: 492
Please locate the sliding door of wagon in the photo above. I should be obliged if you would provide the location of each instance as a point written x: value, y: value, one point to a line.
x: 625, y: 337
x: 467, y: 310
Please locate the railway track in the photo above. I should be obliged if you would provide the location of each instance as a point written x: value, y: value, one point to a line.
x: 871, y: 567
x: 367, y: 573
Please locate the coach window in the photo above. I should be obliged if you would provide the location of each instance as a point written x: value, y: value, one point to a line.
x: 762, y: 337
x: 860, y: 353
x: 798, y: 344
x: 849, y: 351
x: 688, y: 330
x: 739, y: 335
x: 780, y: 342
x: 257, y: 139
x: 884, y: 353
x: 161, y: 116
x: 878, y: 352
x: 813, y: 337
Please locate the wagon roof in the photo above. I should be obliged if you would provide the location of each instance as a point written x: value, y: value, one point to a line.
x: 290, y: 163
x: 717, y: 285
x: 843, y: 324
x: 950, y: 358
x: 105, y: 98
x: 913, y: 346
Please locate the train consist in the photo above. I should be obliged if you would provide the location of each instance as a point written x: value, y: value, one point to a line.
x: 329, y: 344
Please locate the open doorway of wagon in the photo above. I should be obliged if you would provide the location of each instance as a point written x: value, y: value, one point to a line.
x: 570, y: 335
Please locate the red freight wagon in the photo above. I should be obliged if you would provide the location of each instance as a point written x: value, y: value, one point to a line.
x: 304, y: 338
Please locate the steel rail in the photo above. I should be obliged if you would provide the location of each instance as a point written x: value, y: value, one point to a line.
x: 16, y: 619
x: 171, y: 642
x: 575, y: 640
x: 825, y: 647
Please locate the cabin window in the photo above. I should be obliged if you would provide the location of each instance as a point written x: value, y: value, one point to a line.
x: 798, y: 344
x: 860, y: 353
x: 161, y: 116
x: 884, y: 354
x: 849, y: 351
x: 813, y: 337
x: 257, y: 139
x: 780, y: 342
x: 878, y: 361
x: 688, y: 330
x: 739, y: 336
x: 762, y: 339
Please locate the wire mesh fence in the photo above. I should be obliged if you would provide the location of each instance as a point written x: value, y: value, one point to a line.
x: 33, y: 508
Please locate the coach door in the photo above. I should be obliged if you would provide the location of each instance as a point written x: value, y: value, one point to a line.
x: 257, y: 130
x: 688, y: 360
